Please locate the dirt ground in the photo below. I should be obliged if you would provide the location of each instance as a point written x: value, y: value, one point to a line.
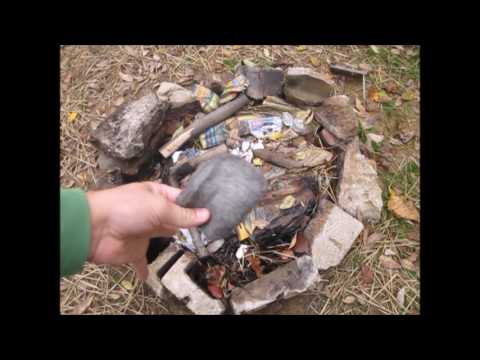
x: 96, y: 79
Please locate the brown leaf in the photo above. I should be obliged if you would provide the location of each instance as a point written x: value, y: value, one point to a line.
x: 373, y: 94
x: 260, y: 223
x: 374, y: 238
x: 119, y: 101
x: 254, y: 262
x: 391, y: 87
x: 215, y: 274
x: 388, y: 263
x: 83, y: 306
x: 215, y: 291
x: 402, y: 208
x: 413, y: 257
x: 407, y: 264
x: 301, y: 245
x: 364, y: 67
x: 366, y: 276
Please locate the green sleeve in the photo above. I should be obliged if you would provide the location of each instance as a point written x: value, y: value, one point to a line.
x: 74, y: 230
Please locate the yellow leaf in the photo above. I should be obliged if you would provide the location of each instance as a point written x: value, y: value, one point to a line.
x: 266, y: 52
x: 235, y: 47
x: 257, y: 162
x: 287, y: 203
x: 293, y: 241
x: 409, y: 95
x: 315, y: 60
x: 402, y: 207
x: 300, y: 155
x: 242, y: 232
x: 127, y: 285
x: 301, y: 48
x: 276, y: 135
x: 72, y: 115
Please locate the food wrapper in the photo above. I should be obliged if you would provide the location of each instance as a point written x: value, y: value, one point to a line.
x: 208, y: 100
x: 233, y: 88
x: 263, y: 127
x: 213, y: 136
x: 301, y: 122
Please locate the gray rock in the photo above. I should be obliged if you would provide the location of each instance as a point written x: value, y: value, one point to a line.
x: 163, y: 258
x: 358, y: 190
x: 330, y: 235
x: 337, y: 116
x: 263, y: 82
x: 304, y: 86
x: 127, y: 132
x: 284, y: 282
x: 229, y: 187
x: 177, y: 281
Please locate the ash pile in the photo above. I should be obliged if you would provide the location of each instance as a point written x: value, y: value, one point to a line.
x: 274, y: 154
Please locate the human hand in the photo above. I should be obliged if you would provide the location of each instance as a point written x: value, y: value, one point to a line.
x: 123, y: 220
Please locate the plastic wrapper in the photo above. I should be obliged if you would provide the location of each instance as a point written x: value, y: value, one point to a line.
x: 301, y: 122
x: 208, y: 100
x: 213, y: 136
x: 233, y: 88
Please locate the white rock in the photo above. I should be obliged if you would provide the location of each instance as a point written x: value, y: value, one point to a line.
x: 331, y: 234
x: 175, y: 94
x: 284, y: 282
x: 153, y: 280
x: 177, y: 281
x: 358, y: 189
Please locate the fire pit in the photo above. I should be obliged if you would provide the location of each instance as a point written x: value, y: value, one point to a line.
x: 321, y: 185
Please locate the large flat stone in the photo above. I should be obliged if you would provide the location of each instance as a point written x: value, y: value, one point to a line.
x: 263, y: 82
x: 330, y: 235
x: 177, y: 281
x: 126, y: 133
x: 304, y: 86
x: 358, y: 190
x: 337, y: 116
x: 284, y: 282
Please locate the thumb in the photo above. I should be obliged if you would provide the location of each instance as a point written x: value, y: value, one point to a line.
x: 183, y: 217
x: 141, y: 268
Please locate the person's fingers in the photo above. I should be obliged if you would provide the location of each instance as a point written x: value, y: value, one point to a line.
x: 165, y: 231
x: 141, y: 268
x: 174, y: 215
x: 169, y: 192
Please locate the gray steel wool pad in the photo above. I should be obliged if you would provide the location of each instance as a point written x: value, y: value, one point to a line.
x: 229, y: 187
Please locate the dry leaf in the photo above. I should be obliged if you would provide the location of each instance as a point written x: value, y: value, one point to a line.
x: 409, y: 95
x: 401, y: 297
x: 83, y: 306
x: 373, y: 94
x: 127, y: 285
x: 375, y: 237
x: 389, y: 252
x: 388, y: 262
x: 215, y: 291
x: 287, y: 203
x: 301, y: 48
x: 130, y: 50
x: 359, y: 106
x: 242, y: 232
x: 403, y: 208
x: 413, y: 256
x: 374, y: 49
x: 315, y: 60
x: 391, y: 87
x: 407, y: 264
x: 266, y: 52
x: 72, y: 115
x: 215, y: 274
x: 366, y: 275
x: 254, y: 262
x: 260, y: 223
x: 156, y: 57
x: 125, y: 77
x: 287, y: 254
x: 395, y: 51
x: 349, y: 299
x: 257, y: 162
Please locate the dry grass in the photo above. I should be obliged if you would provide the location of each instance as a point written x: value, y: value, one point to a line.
x: 91, y: 86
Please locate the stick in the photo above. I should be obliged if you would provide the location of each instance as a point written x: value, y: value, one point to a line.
x: 277, y: 159
x: 198, y: 126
